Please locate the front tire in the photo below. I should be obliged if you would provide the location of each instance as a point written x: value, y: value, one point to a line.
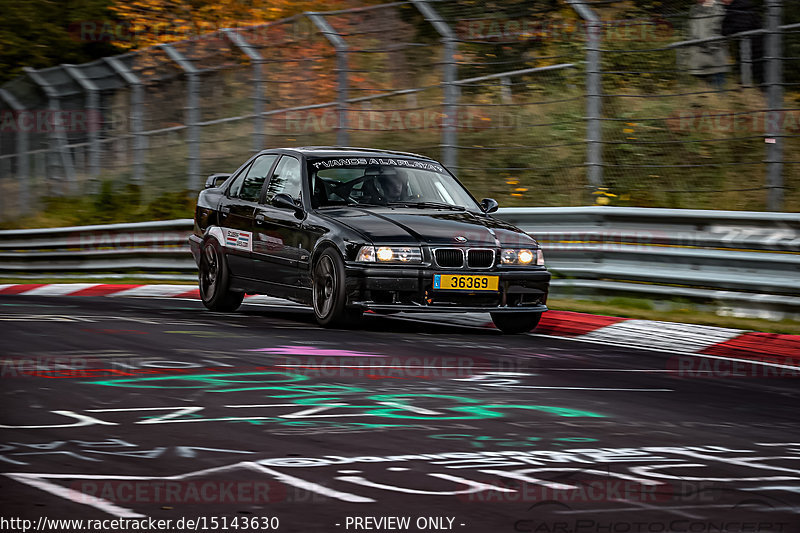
x: 329, y: 292
x: 215, y: 279
x: 512, y: 323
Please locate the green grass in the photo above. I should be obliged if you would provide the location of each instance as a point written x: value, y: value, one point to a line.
x: 110, y: 205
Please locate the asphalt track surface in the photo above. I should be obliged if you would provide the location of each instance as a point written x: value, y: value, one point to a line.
x: 160, y: 408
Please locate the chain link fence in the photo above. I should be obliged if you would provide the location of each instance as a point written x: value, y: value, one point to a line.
x: 554, y: 102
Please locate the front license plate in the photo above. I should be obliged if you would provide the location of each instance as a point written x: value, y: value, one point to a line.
x: 464, y: 282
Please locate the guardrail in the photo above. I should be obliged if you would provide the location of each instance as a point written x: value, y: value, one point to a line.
x: 747, y: 260
x: 739, y: 259
x: 143, y: 250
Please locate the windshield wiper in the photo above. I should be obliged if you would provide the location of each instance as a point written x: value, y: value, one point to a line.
x: 349, y: 204
x: 435, y: 205
x: 364, y: 204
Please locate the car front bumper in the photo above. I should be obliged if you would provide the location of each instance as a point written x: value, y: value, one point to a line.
x: 387, y: 289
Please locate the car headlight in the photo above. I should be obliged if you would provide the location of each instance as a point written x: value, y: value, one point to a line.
x: 524, y: 256
x: 389, y: 254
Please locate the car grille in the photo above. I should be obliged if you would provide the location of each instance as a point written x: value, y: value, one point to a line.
x: 449, y: 257
x: 480, y: 258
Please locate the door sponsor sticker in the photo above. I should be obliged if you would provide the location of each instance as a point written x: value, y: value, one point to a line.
x: 242, y: 240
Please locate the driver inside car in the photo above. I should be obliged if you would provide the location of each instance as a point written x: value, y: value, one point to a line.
x: 392, y: 185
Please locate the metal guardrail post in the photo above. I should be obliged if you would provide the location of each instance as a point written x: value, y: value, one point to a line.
x: 342, y: 70
x: 21, y: 141
x: 93, y: 111
x: 258, y: 84
x: 136, y: 103
x: 192, y: 115
x: 774, y: 123
x: 449, y: 141
x: 57, y: 135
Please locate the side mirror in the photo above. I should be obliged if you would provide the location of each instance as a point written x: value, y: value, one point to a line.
x: 284, y: 201
x: 215, y: 180
x: 489, y: 205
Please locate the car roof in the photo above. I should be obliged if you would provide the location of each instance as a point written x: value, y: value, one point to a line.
x: 339, y: 151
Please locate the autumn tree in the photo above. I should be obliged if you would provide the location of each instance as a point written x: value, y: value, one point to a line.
x: 44, y: 33
x: 151, y: 22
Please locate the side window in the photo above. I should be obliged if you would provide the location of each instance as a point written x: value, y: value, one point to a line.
x: 236, y: 186
x: 286, y: 179
x: 247, y: 185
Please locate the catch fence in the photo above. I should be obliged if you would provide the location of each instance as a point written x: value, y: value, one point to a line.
x: 556, y: 103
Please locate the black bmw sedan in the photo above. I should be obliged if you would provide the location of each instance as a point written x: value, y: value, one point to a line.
x: 347, y: 230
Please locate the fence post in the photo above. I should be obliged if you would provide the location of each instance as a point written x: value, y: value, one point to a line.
x: 774, y: 124
x: 746, y: 60
x: 21, y: 141
x: 192, y: 115
x: 342, y: 70
x: 449, y: 143
x: 505, y: 90
x: 57, y: 135
x: 241, y: 43
x: 594, y: 94
x: 136, y: 127
x: 93, y: 110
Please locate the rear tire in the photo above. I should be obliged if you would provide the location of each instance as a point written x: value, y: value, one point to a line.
x: 215, y: 279
x: 329, y: 292
x: 512, y: 323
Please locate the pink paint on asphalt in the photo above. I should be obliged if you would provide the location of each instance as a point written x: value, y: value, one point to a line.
x: 312, y: 351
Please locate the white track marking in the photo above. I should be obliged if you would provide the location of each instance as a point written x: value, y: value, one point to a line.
x: 75, y: 496
x: 149, y: 291
x: 667, y: 335
x: 664, y: 350
x: 58, y: 289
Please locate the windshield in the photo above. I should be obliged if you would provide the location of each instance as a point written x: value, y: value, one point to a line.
x: 394, y: 182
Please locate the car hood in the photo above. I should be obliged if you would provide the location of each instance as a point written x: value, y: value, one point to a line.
x: 429, y: 226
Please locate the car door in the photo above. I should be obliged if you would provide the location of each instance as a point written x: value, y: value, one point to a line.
x: 236, y: 211
x: 278, y: 239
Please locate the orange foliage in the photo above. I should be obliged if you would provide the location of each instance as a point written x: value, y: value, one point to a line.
x: 149, y: 22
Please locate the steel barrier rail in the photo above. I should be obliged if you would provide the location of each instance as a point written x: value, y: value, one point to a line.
x: 147, y: 250
x: 727, y: 258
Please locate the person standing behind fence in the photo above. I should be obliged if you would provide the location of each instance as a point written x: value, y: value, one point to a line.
x: 708, y: 60
x: 741, y: 15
